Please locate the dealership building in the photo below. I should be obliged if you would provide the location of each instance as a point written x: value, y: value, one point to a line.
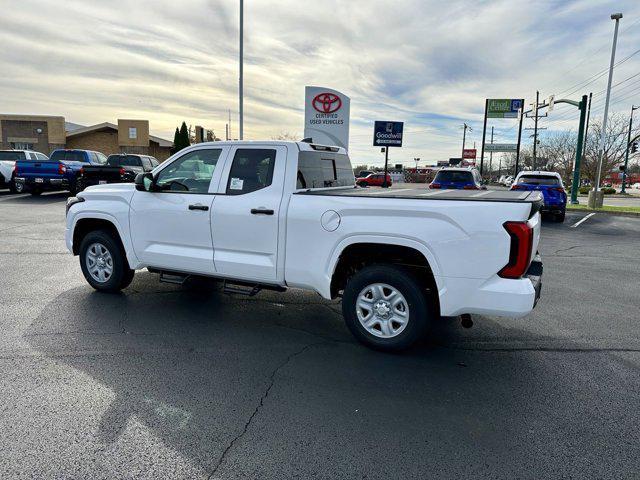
x: 47, y: 133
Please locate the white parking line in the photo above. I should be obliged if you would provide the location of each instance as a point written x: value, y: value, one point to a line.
x: 431, y: 194
x: 13, y: 196
x: 390, y: 190
x: 577, y: 224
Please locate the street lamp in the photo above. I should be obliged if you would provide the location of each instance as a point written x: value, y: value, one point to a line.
x: 597, y: 198
x: 240, y: 93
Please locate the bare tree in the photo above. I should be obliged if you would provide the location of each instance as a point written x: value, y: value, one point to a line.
x: 287, y: 136
x: 559, y: 151
x: 614, y: 148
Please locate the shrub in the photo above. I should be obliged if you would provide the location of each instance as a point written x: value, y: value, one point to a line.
x: 584, y: 190
x: 608, y: 190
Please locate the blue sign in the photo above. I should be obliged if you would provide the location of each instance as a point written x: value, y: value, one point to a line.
x: 387, y: 134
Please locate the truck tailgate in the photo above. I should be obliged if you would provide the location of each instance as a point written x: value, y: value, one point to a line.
x: 38, y: 168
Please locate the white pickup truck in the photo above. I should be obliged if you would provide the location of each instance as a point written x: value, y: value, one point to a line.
x: 275, y: 215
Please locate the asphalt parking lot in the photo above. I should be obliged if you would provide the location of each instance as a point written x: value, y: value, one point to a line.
x: 164, y: 381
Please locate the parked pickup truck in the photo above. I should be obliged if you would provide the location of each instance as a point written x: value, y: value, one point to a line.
x: 120, y: 168
x: 275, y: 215
x: 8, y: 160
x: 60, y: 172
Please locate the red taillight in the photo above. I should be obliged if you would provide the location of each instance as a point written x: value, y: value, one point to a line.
x: 470, y: 187
x: 81, y: 170
x: 61, y: 169
x: 521, y: 235
x: 15, y: 170
x: 434, y: 185
x: 516, y: 187
x: 122, y: 171
x: 558, y: 189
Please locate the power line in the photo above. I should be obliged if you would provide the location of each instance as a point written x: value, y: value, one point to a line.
x: 594, y: 77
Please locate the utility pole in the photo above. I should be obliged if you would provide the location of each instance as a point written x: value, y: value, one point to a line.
x: 626, y: 155
x: 464, y: 136
x: 535, y: 129
x: 240, y: 86
x: 597, y: 199
x: 535, y: 132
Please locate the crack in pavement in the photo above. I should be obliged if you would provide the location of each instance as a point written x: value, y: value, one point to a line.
x: 259, y: 406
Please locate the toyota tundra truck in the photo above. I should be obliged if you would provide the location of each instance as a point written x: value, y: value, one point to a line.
x: 278, y: 215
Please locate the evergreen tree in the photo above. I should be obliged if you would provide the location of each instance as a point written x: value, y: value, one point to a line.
x: 184, y: 136
x: 176, y: 141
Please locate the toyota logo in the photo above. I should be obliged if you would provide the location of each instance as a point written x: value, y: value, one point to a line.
x: 326, y: 102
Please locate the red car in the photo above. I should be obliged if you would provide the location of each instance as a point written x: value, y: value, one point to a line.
x: 374, y: 180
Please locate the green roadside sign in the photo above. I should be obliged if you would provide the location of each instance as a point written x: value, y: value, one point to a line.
x: 503, y: 107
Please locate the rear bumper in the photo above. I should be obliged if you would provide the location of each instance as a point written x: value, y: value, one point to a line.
x: 496, y: 296
x: 553, y: 208
x: 45, y: 184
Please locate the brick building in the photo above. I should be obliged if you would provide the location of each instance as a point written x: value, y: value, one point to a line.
x: 47, y: 133
x: 32, y: 132
x: 128, y: 136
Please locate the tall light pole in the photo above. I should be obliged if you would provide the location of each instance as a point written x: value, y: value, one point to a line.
x: 240, y: 93
x: 616, y: 17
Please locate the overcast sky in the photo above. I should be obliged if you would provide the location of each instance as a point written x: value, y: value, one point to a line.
x: 428, y: 63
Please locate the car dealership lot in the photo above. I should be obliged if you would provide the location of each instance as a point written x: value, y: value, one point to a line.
x: 166, y: 381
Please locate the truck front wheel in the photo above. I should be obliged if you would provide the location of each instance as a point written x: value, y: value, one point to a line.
x: 104, y: 263
x: 385, y: 307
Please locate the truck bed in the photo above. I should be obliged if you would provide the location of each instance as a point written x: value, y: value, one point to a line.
x: 423, y: 193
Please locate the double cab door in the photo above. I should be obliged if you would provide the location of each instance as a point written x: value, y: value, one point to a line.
x: 213, y: 211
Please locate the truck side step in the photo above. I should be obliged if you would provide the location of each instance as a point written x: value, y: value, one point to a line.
x: 174, y: 278
x: 239, y: 289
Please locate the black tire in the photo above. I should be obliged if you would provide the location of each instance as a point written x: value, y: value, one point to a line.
x: 121, y: 275
x: 74, y: 187
x: 12, y: 187
x: 35, y: 192
x: 363, y: 184
x: 408, y: 286
x: 560, y: 217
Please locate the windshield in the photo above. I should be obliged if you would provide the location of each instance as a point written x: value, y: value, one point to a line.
x: 124, y: 161
x: 539, y: 180
x: 11, y: 155
x: 68, y: 155
x: 454, y: 176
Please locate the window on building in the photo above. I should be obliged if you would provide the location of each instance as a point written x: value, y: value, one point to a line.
x: 133, y: 132
x: 21, y: 146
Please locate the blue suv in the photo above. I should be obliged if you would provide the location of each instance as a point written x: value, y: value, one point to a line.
x: 550, y: 184
x: 458, y: 178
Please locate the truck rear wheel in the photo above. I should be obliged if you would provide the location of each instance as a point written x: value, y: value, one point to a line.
x: 104, y: 263
x: 385, y: 308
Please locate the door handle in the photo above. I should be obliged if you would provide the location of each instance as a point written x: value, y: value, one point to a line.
x: 261, y: 211
x: 197, y: 206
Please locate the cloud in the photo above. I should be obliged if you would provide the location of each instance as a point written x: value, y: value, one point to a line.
x: 428, y: 63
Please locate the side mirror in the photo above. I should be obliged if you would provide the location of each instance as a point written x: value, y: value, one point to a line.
x: 144, y: 182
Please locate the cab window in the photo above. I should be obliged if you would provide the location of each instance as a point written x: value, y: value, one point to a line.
x: 252, y: 170
x: 190, y: 173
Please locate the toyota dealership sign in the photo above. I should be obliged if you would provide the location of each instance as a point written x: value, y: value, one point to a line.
x: 326, y: 116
